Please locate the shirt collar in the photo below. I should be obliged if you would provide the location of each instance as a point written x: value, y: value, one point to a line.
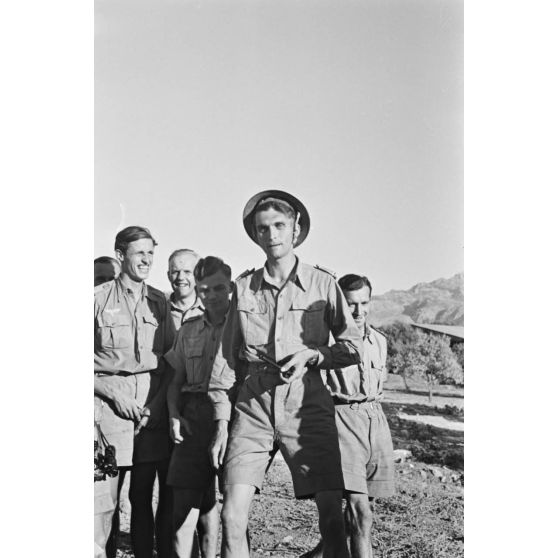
x: 207, y: 323
x: 298, y: 276
x: 122, y: 289
x: 368, y: 334
x: 197, y: 304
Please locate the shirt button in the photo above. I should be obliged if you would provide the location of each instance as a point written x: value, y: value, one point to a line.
x: 280, y: 318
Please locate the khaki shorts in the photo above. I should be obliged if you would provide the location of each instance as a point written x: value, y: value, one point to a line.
x: 190, y: 466
x: 297, y: 419
x: 151, y: 444
x: 366, y: 449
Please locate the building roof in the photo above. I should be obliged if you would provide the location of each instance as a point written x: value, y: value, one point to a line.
x: 455, y: 332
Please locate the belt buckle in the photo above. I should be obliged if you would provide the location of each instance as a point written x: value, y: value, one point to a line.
x: 355, y: 405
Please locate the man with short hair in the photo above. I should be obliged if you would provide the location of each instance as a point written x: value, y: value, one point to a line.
x: 183, y: 301
x: 131, y: 334
x: 105, y: 269
x: 199, y: 369
x: 283, y: 313
x: 364, y: 435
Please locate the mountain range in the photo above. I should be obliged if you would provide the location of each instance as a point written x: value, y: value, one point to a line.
x: 437, y: 302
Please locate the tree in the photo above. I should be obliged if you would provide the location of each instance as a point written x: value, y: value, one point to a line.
x: 459, y: 352
x: 428, y: 357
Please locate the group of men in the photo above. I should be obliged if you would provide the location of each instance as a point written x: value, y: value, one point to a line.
x: 210, y: 382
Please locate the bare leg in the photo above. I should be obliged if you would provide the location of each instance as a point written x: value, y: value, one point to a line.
x: 112, y: 542
x: 208, y: 524
x: 237, y: 499
x: 332, y: 526
x: 186, y: 510
x: 105, y: 503
x: 359, y: 523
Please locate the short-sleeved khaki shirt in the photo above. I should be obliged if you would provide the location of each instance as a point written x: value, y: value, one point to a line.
x: 197, y: 353
x: 362, y: 382
x: 179, y: 316
x: 300, y: 315
x: 129, y: 336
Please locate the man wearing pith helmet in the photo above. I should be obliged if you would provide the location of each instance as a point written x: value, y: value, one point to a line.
x: 284, y: 312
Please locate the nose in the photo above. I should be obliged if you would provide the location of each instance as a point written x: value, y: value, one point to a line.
x: 272, y: 233
x: 358, y: 309
x: 181, y: 275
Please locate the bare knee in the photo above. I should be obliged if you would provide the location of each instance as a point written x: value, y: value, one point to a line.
x: 359, y: 515
x: 234, y: 522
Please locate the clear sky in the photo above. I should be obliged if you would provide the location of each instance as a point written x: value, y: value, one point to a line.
x: 355, y: 107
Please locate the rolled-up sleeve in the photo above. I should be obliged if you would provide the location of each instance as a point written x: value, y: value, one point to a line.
x: 221, y: 391
x: 348, y: 348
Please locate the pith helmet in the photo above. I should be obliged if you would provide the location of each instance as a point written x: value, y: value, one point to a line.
x: 302, y: 216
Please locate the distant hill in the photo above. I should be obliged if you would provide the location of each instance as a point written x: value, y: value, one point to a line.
x: 437, y: 302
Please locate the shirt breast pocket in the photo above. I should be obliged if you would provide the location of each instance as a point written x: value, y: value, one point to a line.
x: 193, y: 354
x: 153, y: 333
x: 308, y: 322
x: 115, y: 331
x: 254, y: 320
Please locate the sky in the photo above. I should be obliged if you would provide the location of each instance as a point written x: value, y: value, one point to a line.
x: 355, y: 107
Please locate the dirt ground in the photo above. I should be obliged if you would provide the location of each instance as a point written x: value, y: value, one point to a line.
x: 423, y: 520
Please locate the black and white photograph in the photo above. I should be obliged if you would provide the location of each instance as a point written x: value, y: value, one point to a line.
x: 279, y: 279
x: 279, y: 200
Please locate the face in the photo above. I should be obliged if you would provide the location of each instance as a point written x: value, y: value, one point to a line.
x: 105, y: 272
x: 214, y: 292
x: 181, y: 274
x: 359, y: 303
x: 138, y: 259
x: 275, y: 233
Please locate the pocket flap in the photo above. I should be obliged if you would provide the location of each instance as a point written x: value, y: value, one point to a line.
x: 193, y: 348
x: 251, y: 305
x: 308, y: 305
x: 109, y: 319
x: 150, y: 319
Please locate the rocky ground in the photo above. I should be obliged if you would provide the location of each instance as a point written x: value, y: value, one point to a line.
x: 423, y: 520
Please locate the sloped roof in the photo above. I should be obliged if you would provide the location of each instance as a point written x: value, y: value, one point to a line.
x: 457, y: 332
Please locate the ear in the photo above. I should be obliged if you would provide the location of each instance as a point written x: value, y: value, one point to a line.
x: 119, y: 256
x: 296, y: 231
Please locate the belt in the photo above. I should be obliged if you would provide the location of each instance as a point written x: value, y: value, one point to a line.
x: 263, y: 368
x: 122, y: 373
x: 356, y: 404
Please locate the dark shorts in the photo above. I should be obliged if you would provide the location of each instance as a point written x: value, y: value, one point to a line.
x: 297, y: 419
x: 366, y: 449
x: 190, y: 466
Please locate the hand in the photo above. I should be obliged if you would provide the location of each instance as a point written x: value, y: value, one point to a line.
x: 126, y: 407
x: 145, y: 416
x: 218, y: 445
x: 155, y: 413
x: 295, y: 366
x: 175, y: 435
